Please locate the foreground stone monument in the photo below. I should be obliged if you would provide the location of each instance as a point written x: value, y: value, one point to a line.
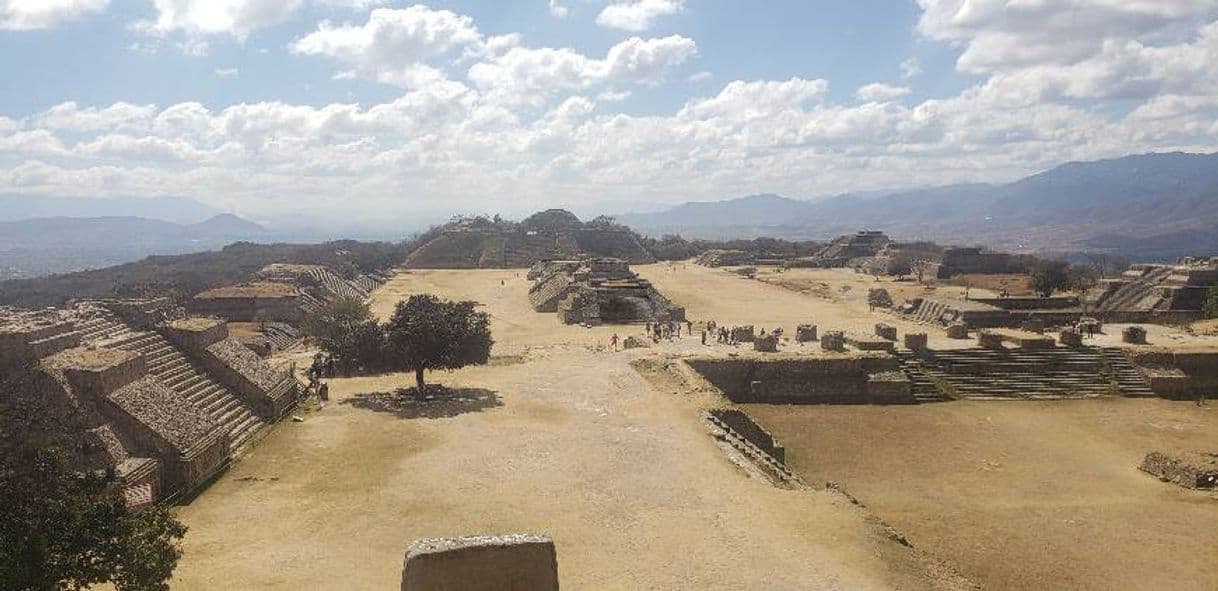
x: 523, y: 562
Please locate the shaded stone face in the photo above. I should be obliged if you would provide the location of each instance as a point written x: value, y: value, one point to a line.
x: 481, y: 563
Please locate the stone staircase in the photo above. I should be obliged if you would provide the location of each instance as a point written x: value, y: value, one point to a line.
x: 339, y: 287
x: 930, y: 311
x: 921, y: 385
x: 1134, y: 295
x: 545, y: 297
x: 524, y: 250
x: 101, y: 326
x: 1022, y: 373
x: 175, y: 370
x: 777, y: 471
x: 1129, y: 379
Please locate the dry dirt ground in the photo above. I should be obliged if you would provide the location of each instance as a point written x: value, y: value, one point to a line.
x: 561, y: 437
x: 1023, y: 495
x: 555, y: 437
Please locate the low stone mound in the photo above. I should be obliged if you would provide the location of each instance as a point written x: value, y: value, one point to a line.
x: 481, y: 563
x: 1190, y: 470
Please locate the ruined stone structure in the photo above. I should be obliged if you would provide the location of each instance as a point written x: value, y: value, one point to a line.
x: 846, y: 251
x: 1168, y: 290
x: 481, y: 243
x: 996, y: 372
x: 725, y: 258
x: 1190, y: 470
x: 134, y: 385
x: 282, y: 293
x: 481, y: 563
x: 864, y: 378
x: 932, y: 261
x: 972, y: 261
x: 1182, y: 374
x: 596, y: 291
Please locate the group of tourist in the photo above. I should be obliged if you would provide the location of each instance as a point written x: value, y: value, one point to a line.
x: 669, y: 330
x: 323, y: 366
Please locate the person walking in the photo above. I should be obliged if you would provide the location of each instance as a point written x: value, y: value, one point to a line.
x: 613, y: 341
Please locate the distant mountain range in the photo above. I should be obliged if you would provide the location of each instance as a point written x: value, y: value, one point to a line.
x: 1134, y: 205
x: 40, y: 246
x: 179, y: 210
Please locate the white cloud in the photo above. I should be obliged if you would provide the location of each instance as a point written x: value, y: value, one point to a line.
x: 25, y: 15
x: 393, y: 44
x: 489, y: 124
x: 880, y: 92
x: 702, y: 76
x: 637, y: 15
x: 207, y: 17
x: 71, y: 117
x: 557, y: 10
x: 227, y: 72
x: 529, y: 75
x: 237, y: 18
x: 1084, y: 49
x: 911, y: 68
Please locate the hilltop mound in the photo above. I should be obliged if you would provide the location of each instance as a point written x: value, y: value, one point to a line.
x: 483, y: 243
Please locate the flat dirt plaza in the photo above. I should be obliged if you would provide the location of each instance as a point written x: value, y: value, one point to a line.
x: 560, y: 436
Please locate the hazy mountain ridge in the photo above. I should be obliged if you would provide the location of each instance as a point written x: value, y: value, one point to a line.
x: 40, y: 246
x: 179, y: 210
x: 1122, y: 202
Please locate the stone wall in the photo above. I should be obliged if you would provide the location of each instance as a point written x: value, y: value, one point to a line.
x: 830, y: 380
x: 1180, y: 375
x: 746, y: 427
x: 249, y: 309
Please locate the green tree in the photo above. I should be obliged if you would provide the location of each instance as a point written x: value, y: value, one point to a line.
x: 63, y: 530
x: 333, y: 323
x: 1049, y: 276
x: 426, y: 332
x: 1210, y: 307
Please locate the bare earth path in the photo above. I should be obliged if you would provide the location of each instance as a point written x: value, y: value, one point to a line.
x: 553, y: 437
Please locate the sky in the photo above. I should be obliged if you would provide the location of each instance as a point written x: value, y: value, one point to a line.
x: 386, y: 111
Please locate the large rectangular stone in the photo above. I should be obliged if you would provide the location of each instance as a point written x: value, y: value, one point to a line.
x: 526, y: 562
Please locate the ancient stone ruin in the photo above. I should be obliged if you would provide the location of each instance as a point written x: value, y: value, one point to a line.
x: 1190, y: 470
x: 136, y: 386
x: 282, y: 293
x: 725, y: 258
x: 527, y: 562
x: 845, y: 251
x: 485, y: 243
x: 597, y: 291
x: 1168, y: 290
x: 860, y: 378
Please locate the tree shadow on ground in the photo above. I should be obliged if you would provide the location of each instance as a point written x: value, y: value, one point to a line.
x: 437, y: 402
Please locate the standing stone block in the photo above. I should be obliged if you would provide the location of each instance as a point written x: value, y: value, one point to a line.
x: 833, y: 341
x: 989, y: 340
x: 957, y: 330
x: 805, y: 333
x: 1134, y: 335
x: 481, y: 563
x: 886, y: 331
x: 743, y: 334
x: 915, y: 341
x: 1070, y: 338
x: 766, y: 344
